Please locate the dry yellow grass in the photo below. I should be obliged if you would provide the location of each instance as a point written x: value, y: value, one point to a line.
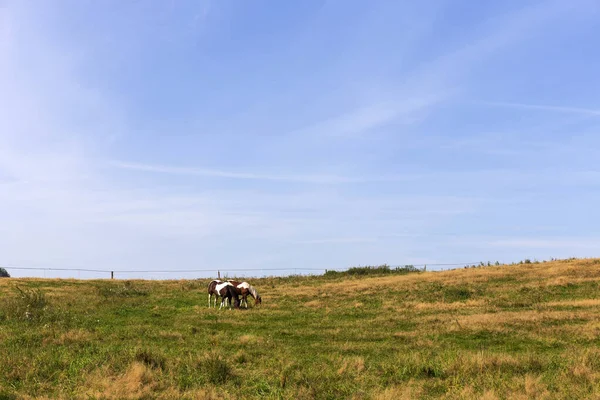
x: 250, y: 339
x: 404, y: 392
x: 138, y: 381
x: 314, y: 304
x: 493, y: 320
x: 351, y: 365
x: 74, y: 336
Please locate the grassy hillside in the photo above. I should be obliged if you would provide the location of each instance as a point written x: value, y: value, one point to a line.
x: 525, y: 331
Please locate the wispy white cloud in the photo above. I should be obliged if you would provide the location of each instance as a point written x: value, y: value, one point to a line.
x: 496, y: 175
x: 216, y: 173
x: 361, y: 121
x: 560, y: 109
x: 207, y: 172
x: 341, y: 240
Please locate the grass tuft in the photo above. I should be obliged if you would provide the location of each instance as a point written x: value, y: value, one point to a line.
x: 27, y: 305
x: 216, y: 369
x: 150, y: 359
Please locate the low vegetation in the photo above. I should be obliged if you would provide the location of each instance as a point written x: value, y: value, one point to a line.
x: 374, y: 270
x: 529, y: 330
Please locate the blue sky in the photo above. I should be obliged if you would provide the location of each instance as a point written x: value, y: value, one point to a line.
x: 175, y: 135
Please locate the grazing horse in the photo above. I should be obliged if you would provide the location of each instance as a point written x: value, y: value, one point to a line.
x: 229, y: 294
x: 245, y: 289
x: 212, y: 291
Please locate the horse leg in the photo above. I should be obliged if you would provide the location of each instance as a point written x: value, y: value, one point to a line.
x: 209, y: 299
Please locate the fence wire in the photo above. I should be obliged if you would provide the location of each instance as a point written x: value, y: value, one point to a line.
x: 115, y: 272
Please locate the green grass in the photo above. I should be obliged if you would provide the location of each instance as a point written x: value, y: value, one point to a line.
x: 522, y: 331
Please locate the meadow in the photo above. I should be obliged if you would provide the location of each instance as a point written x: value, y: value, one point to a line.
x: 498, y: 332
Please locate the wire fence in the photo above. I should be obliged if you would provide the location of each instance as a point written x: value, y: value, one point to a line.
x: 205, y: 272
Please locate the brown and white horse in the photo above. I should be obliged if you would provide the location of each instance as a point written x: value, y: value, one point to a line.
x: 212, y: 291
x: 228, y: 292
x: 245, y: 289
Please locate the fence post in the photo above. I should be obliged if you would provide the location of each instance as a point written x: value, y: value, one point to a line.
x: 112, y: 274
x: 219, y: 274
x: 425, y: 268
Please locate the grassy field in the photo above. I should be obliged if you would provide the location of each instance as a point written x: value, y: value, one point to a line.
x: 523, y: 331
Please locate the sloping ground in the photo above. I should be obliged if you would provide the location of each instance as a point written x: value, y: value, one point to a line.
x: 525, y: 331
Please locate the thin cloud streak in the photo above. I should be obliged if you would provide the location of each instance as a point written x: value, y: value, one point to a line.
x: 362, y: 120
x: 514, y: 176
x: 541, y: 107
x: 337, y: 241
x: 215, y: 173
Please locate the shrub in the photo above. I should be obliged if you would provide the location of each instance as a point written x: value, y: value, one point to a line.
x: 4, y: 273
x: 375, y: 270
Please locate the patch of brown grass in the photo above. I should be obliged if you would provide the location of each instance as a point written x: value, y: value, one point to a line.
x: 489, y: 395
x: 481, y: 363
x: 497, y: 319
x: 74, y: 336
x: 574, y: 303
x: 171, y: 335
x: 313, y: 304
x: 404, y: 392
x: 250, y: 339
x: 202, y: 394
x: 442, y: 306
x: 138, y: 381
x: 70, y: 337
x: 352, y: 365
x: 534, y: 388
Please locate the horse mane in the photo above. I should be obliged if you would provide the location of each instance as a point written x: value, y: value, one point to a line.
x: 253, y: 291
